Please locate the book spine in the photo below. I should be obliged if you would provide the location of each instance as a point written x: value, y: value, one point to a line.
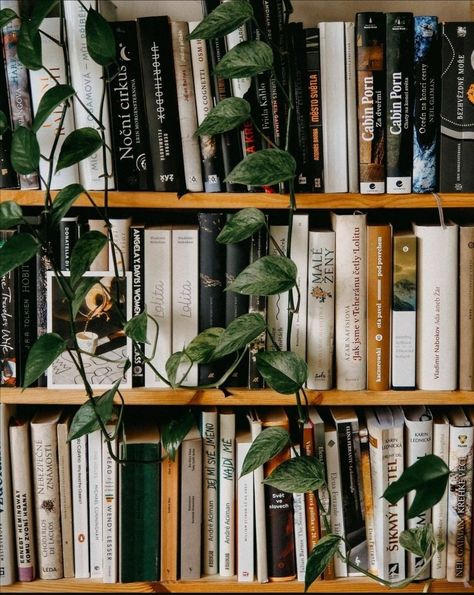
x: 158, y: 75
x: 131, y: 151
x: 351, y: 107
x: 399, y: 94
x: 18, y: 85
x: 226, y: 493
x: 299, y: 255
x: 370, y: 31
x: 379, y: 305
x: 110, y: 510
x: 321, y: 296
x: 68, y: 236
x: 466, y: 307
x: 80, y: 507
x: 209, y: 430
x: 7, y: 534
x: 277, y: 305
x: 137, y: 267
x: 210, y: 155
x: 8, y: 176
x: 87, y: 80
x: 120, y: 246
x: 311, y: 505
x: 65, y: 491
x: 257, y: 304
x: 351, y: 302
x: 260, y: 513
x: 245, y: 518
x: 457, y: 126
x: 426, y: 99
x: 94, y: 482
x: 186, y: 106
x: 22, y: 500
x: 368, y: 499
x: 8, y: 330
x: 301, y: 544
x: 439, y: 512
x: 101, y: 261
x: 170, y: 518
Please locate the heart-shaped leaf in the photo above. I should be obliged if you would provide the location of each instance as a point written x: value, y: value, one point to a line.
x: 201, y: 348
x: 264, y: 168
x: 136, y: 327
x: 78, y: 145
x: 241, y: 226
x: 100, y: 38
x: 29, y: 46
x: 418, y: 541
x: 10, y: 214
x: 224, y: 19
x: 226, y: 115
x: 49, y: 102
x: 268, y: 275
x: 81, y: 290
x: 298, y: 475
x: 320, y: 556
x: 19, y: 248
x: 6, y: 16
x: 63, y: 202
x: 246, y: 59
x: 25, y: 151
x: 267, y: 444
x: 85, y: 420
x: 239, y: 333
x: 284, y: 371
x: 178, y: 361
x: 84, y: 252
x: 174, y: 432
x: 41, y: 355
x: 41, y: 9
x: 4, y: 123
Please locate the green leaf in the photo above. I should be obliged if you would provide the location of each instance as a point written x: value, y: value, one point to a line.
x: 41, y: 355
x: 264, y: 168
x: 241, y: 226
x: 10, y: 214
x: 418, y: 541
x: 225, y: 115
x: 41, y: 10
x: 201, y: 348
x: 135, y: 328
x: 19, y: 248
x: 321, y: 555
x: 63, y: 202
x: 85, y: 420
x: 268, y: 275
x: 174, y: 363
x: 298, y: 475
x: 81, y: 290
x: 78, y: 145
x: 267, y: 444
x: 428, y: 476
x: 174, y: 431
x: 4, y: 123
x: 49, y: 102
x: 284, y: 371
x: 6, y: 16
x: 29, y: 46
x: 25, y: 151
x: 100, y: 38
x: 222, y: 20
x: 239, y: 333
x: 84, y: 252
x: 246, y: 59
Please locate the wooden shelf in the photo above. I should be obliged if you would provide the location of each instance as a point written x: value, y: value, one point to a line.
x: 235, y: 397
x: 222, y: 200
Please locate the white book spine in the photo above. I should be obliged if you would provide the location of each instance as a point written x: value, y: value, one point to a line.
x: 226, y: 494
x: 86, y: 76
x: 110, y: 510
x: 299, y: 521
x: 65, y: 488
x: 245, y: 518
x: 437, y: 284
x: 351, y: 301
x: 277, y: 305
x: 439, y: 513
x: 94, y: 455
x: 260, y: 520
x: 209, y: 431
x: 158, y: 301
x: 241, y: 85
x: 351, y: 107
x: 333, y: 96
x: 321, y: 299
x: 80, y: 507
x: 40, y: 82
x: 101, y: 261
x: 299, y: 255
x: 185, y: 307
x: 23, y: 510
x: 7, y: 546
x: 466, y: 307
x: 186, y: 106
x: 120, y: 234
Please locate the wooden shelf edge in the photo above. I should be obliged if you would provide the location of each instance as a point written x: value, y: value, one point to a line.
x: 78, y: 585
x: 200, y: 200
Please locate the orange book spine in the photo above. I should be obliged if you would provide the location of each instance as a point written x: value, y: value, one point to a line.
x: 170, y: 518
x: 311, y: 505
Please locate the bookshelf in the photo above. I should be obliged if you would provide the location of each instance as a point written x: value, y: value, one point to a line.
x: 309, y: 11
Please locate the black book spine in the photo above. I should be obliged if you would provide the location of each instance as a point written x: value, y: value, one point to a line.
x: 399, y: 97
x: 8, y: 177
x: 131, y: 151
x: 137, y: 266
x: 212, y: 263
x: 156, y: 55
x: 68, y: 236
x: 8, y: 336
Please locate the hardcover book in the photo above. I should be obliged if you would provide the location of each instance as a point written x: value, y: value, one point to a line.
x: 9, y: 335
x: 466, y: 307
x: 7, y: 534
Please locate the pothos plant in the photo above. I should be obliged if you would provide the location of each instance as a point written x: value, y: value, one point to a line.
x: 283, y: 371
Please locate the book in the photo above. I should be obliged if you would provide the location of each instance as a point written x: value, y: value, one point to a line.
x: 321, y: 300
x: 399, y: 97
x: 8, y: 176
x: 9, y: 335
x: 277, y: 305
x: 137, y: 268
x: 88, y: 81
x: 22, y: 495
x: 94, y: 486
x: 426, y: 99
x: 7, y: 533
x: 44, y: 448
x: 404, y: 305
x: 258, y: 304
x: 169, y: 514
x: 313, y: 532
x: 139, y: 503
x: 110, y: 505
x: 245, y: 511
x: 80, y: 506
x: 379, y: 305
x: 101, y: 261
x: 457, y: 108
x: 68, y: 236
x: 65, y: 493
x: 351, y: 300
x: 368, y: 496
x: 226, y: 483
x: 159, y: 87
x: 370, y: 57
x: 466, y: 307
x: 386, y: 427
x: 210, y: 433
x: 418, y: 443
x: 351, y: 107
x: 300, y: 529
x: 119, y: 246
x: 436, y: 367
x: 439, y: 512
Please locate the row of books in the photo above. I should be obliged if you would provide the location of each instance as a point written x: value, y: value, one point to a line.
x: 73, y: 511
x: 378, y: 309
